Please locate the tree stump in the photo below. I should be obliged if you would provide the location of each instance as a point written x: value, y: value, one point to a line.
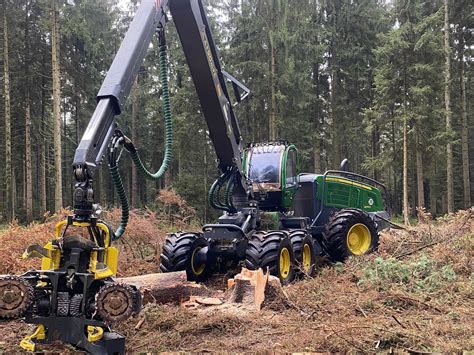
x: 256, y: 289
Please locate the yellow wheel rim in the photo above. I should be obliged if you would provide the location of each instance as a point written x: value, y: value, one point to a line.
x: 285, y: 263
x: 197, y: 270
x: 306, y: 257
x: 358, y: 239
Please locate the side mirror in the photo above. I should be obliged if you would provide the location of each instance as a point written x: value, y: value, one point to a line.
x: 345, y: 165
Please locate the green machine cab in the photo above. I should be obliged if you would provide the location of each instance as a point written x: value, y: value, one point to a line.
x: 273, y: 170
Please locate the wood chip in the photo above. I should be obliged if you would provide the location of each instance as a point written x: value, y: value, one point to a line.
x: 209, y: 301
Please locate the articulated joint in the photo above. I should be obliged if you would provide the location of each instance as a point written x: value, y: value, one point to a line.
x: 83, y: 193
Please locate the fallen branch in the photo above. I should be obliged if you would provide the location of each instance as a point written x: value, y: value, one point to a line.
x: 418, y: 249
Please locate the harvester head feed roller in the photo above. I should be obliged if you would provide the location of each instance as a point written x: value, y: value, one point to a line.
x: 16, y: 295
x: 116, y: 302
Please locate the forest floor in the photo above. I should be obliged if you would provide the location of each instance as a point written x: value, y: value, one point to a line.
x: 416, y: 294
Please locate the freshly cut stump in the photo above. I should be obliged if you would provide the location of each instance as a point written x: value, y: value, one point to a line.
x: 255, y: 289
x: 172, y: 287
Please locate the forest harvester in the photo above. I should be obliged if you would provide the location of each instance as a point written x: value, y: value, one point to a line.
x: 273, y: 218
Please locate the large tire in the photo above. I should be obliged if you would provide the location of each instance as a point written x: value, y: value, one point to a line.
x: 176, y: 250
x: 271, y: 250
x: 305, y: 252
x: 350, y: 232
x: 198, y: 270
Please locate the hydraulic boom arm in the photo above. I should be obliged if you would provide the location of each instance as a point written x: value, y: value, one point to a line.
x: 209, y: 80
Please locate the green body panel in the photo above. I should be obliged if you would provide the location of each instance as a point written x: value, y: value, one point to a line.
x: 341, y: 192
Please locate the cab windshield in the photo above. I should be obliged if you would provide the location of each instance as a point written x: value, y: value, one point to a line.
x: 264, y: 164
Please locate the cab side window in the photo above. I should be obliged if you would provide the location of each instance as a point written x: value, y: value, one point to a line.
x: 291, y: 168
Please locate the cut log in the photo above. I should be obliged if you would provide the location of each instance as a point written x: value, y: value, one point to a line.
x: 171, y: 287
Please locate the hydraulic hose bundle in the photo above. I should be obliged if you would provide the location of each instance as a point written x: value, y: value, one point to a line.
x: 117, y: 180
x: 120, y: 139
x: 227, y: 178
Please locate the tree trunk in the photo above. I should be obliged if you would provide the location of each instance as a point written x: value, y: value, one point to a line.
x: 135, y: 107
x: 9, y: 205
x: 419, y: 173
x: 42, y: 144
x: 13, y: 187
x: 464, y: 127
x: 317, y: 120
x: 204, y: 217
x: 375, y: 149
x: 447, y: 102
x: 334, y: 85
x: 28, y: 166
x: 58, y: 195
x: 405, y: 172
x: 272, y: 118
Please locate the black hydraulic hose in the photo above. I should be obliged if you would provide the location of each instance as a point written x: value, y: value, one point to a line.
x: 163, y: 64
x: 214, y: 192
x: 215, y: 189
x: 117, y: 180
x: 229, y: 192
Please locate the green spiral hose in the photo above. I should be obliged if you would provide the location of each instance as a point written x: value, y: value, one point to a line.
x: 163, y: 65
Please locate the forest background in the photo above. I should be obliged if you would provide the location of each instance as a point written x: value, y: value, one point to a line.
x: 386, y: 84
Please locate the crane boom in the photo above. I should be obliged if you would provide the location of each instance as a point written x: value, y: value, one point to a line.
x: 208, y: 78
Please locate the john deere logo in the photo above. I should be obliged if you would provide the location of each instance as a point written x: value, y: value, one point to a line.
x: 371, y: 202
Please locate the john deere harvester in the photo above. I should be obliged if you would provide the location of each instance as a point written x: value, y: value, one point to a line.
x: 291, y: 220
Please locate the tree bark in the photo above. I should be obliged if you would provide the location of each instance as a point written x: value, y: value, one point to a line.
x: 334, y: 85
x: 317, y: 120
x: 419, y: 173
x: 58, y: 195
x: 205, y: 203
x: 28, y: 166
x: 447, y: 102
x: 9, y: 205
x: 272, y: 119
x: 42, y: 144
x: 406, y: 208
x: 464, y: 127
